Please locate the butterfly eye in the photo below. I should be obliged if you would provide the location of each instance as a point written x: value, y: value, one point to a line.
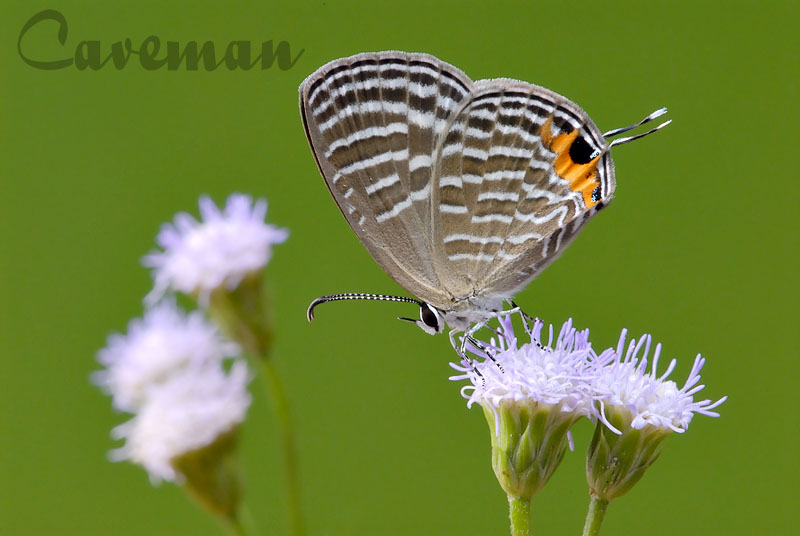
x: 581, y: 152
x: 429, y: 316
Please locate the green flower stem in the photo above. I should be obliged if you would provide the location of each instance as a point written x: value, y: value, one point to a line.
x: 281, y: 405
x: 595, y: 515
x: 519, y: 512
x: 242, y: 314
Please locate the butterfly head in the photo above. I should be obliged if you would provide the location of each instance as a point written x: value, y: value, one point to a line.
x: 430, y: 319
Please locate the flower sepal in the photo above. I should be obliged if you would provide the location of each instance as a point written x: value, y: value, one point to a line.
x: 529, y: 440
x: 242, y: 315
x: 211, y: 477
x: 615, y: 462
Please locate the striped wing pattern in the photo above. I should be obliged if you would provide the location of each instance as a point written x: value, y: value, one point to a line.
x: 449, y: 184
x: 504, y: 213
x: 374, y: 121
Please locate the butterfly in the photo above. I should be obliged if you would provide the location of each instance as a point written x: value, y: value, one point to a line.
x: 461, y: 191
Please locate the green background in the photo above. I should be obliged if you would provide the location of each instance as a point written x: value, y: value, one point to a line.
x: 699, y: 249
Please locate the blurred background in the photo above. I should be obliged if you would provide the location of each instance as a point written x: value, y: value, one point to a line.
x: 699, y: 249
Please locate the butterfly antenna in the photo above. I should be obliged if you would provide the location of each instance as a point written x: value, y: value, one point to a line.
x: 619, y: 141
x: 356, y: 296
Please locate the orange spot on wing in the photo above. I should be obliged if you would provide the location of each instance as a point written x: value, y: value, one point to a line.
x: 582, y: 177
x: 562, y: 142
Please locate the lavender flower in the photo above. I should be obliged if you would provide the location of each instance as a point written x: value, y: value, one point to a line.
x: 156, y: 348
x: 648, y: 398
x: 220, y: 251
x: 188, y: 412
x: 532, y: 395
x: 169, y: 370
x: 638, y: 411
x: 561, y: 375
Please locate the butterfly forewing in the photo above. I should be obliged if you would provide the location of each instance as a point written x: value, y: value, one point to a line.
x: 373, y: 121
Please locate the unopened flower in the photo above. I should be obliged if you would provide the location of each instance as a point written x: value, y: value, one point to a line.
x: 162, y: 344
x: 531, y: 396
x: 638, y: 411
x: 219, y: 251
x: 187, y: 413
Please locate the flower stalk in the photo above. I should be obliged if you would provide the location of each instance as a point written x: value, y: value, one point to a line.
x: 595, y: 516
x: 519, y: 513
x: 280, y: 403
x: 242, y: 314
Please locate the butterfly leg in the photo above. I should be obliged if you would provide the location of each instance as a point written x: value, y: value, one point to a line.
x: 525, y: 319
x: 469, y: 336
x: 486, y: 350
x: 523, y: 315
x: 454, y: 345
x: 462, y: 354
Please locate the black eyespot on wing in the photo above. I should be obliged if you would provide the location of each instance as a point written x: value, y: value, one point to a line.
x: 429, y: 317
x: 581, y: 152
x: 596, y: 194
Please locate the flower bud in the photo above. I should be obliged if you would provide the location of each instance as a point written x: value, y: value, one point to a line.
x: 528, y: 443
x: 615, y: 462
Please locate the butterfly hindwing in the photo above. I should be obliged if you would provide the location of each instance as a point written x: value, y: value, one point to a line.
x: 505, y: 211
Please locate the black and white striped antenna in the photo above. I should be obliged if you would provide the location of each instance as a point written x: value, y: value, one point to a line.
x: 619, y: 141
